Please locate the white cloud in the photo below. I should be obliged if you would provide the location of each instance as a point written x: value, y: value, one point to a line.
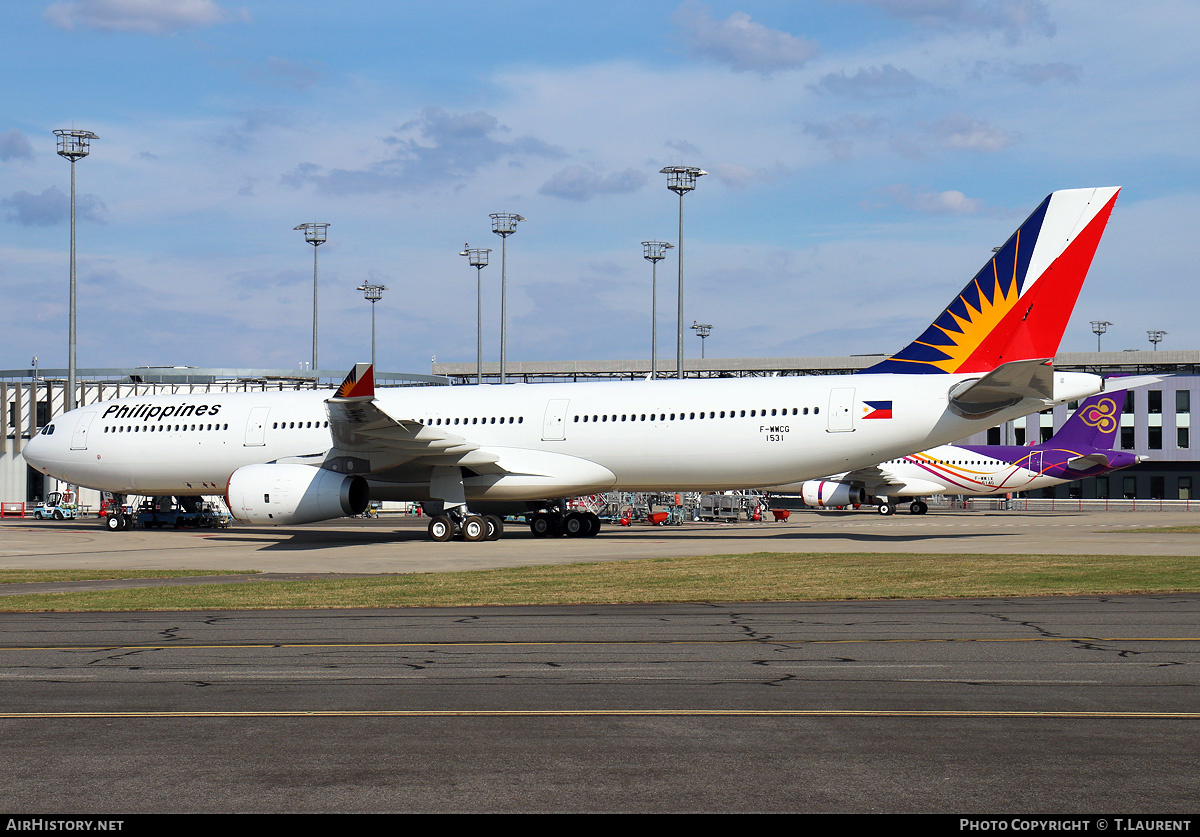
x: 950, y: 202
x: 14, y: 145
x: 1012, y: 18
x: 962, y: 133
x: 150, y: 17
x: 580, y: 183
x: 741, y: 43
x: 870, y: 83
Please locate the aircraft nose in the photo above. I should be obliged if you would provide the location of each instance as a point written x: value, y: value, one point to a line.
x: 43, y: 451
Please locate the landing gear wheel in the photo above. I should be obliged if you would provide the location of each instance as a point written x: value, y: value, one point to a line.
x: 113, y: 523
x: 540, y: 525
x: 495, y: 526
x: 474, y: 528
x: 887, y: 508
x: 594, y: 525
x: 918, y: 507
x: 575, y: 525
x: 441, y: 529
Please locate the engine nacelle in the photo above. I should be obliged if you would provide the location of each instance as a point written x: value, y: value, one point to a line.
x: 277, y: 495
x: 823, y: 493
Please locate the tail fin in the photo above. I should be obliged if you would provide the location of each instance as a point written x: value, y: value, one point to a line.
x: 359, y: 385
x: 1017, y: 306
x: 1093, y: 425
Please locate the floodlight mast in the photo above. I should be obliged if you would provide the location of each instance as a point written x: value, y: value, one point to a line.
x: 504, y: 224
x: 1156, y: 336
x: 478, y: 257
x: 702, y: 330
x: 374, y: 293
x: 1098, y: 328
x: 314, y: 234
x: 73, y: 144
x: 654, y: 252
x: 680, y: 180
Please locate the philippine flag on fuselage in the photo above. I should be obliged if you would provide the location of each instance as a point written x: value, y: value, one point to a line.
x: 877, y: 409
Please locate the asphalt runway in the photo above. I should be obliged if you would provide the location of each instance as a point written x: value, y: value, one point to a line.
x: 1078, y: 705
x: 1055, y: 706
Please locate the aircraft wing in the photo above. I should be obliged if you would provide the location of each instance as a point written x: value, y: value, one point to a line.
x: 367, y: 439
x: 874, y: 479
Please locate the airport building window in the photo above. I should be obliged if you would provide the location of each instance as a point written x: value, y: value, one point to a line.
x: 993, y: 436
x: 1182, y: 439
x: 1154, y: 401
x: 1047, y: 432
x: 1126, y: 438
x: 1158, y: 487
x: 1154, y: 436
x: 1183, y: 401
x: 1128, y: 408
x: 1185, y: 488
x: 1129, y: 487
x: 1101, y: 488
x: 1018, y: 436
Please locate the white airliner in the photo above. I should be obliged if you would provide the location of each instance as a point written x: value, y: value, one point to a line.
x: 289, y: 458
x: 1082, y: 448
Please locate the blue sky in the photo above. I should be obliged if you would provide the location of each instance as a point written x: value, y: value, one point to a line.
x: 864, y: 157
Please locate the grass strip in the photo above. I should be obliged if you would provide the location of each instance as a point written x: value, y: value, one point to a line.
x: 763, y: 576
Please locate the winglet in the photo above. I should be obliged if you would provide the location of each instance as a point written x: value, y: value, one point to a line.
x: 359, y: 384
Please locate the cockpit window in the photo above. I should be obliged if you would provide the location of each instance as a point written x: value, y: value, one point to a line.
x: 48, y: 430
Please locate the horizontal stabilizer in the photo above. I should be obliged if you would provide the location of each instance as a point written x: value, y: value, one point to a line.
x: 1132, y: 382
x: 1083, y: 463
x: 1004, y: 386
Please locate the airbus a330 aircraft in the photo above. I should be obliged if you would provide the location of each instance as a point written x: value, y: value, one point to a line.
x: 1081, y: 448
x: 284, y: 458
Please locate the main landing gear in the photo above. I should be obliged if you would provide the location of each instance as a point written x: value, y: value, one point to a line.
x: 457, y: 523
x: 887, y: 506
x: 572, y: 524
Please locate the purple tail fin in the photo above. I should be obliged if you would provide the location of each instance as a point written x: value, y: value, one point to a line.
x: 1094, y: 424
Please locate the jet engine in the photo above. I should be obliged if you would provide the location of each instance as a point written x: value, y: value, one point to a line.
x: 822, y: 493
x: 277, y: 495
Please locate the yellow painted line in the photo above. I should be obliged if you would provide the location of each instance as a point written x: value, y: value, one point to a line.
x: 594, y: 642
x: 583, y: 713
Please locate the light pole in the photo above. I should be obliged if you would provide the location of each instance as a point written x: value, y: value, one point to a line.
x: 504, y: 224
x: 681, y: 179
x: 1156, y: 337
x: 373, y: 293
x: 479, y: 260
x: 74, y: 145
x: 654, y: 252
x: 314, y: 234
x: 702, y: 330
x: 1098, y: 328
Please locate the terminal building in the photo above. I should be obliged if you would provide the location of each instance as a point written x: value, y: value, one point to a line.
x: 1155, y: 424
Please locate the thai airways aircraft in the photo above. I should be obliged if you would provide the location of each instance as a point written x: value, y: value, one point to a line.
x: 1081, y: 448
x: 284, y: 458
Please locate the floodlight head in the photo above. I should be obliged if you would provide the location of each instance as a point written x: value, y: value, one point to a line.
x: 1100, y: 326
x: 655, y: 251
x: 314, y: 233
x: 478, y: 256
x: 1156, y: 336
x: 74, y: 144
x: 504, y: 224
x: 372, y: 292
x: 682, y: 179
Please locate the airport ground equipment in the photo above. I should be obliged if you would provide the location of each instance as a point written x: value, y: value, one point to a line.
x: 57, y: 506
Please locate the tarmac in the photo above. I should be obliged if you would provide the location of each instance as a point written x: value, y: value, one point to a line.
x: 400, y: 544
